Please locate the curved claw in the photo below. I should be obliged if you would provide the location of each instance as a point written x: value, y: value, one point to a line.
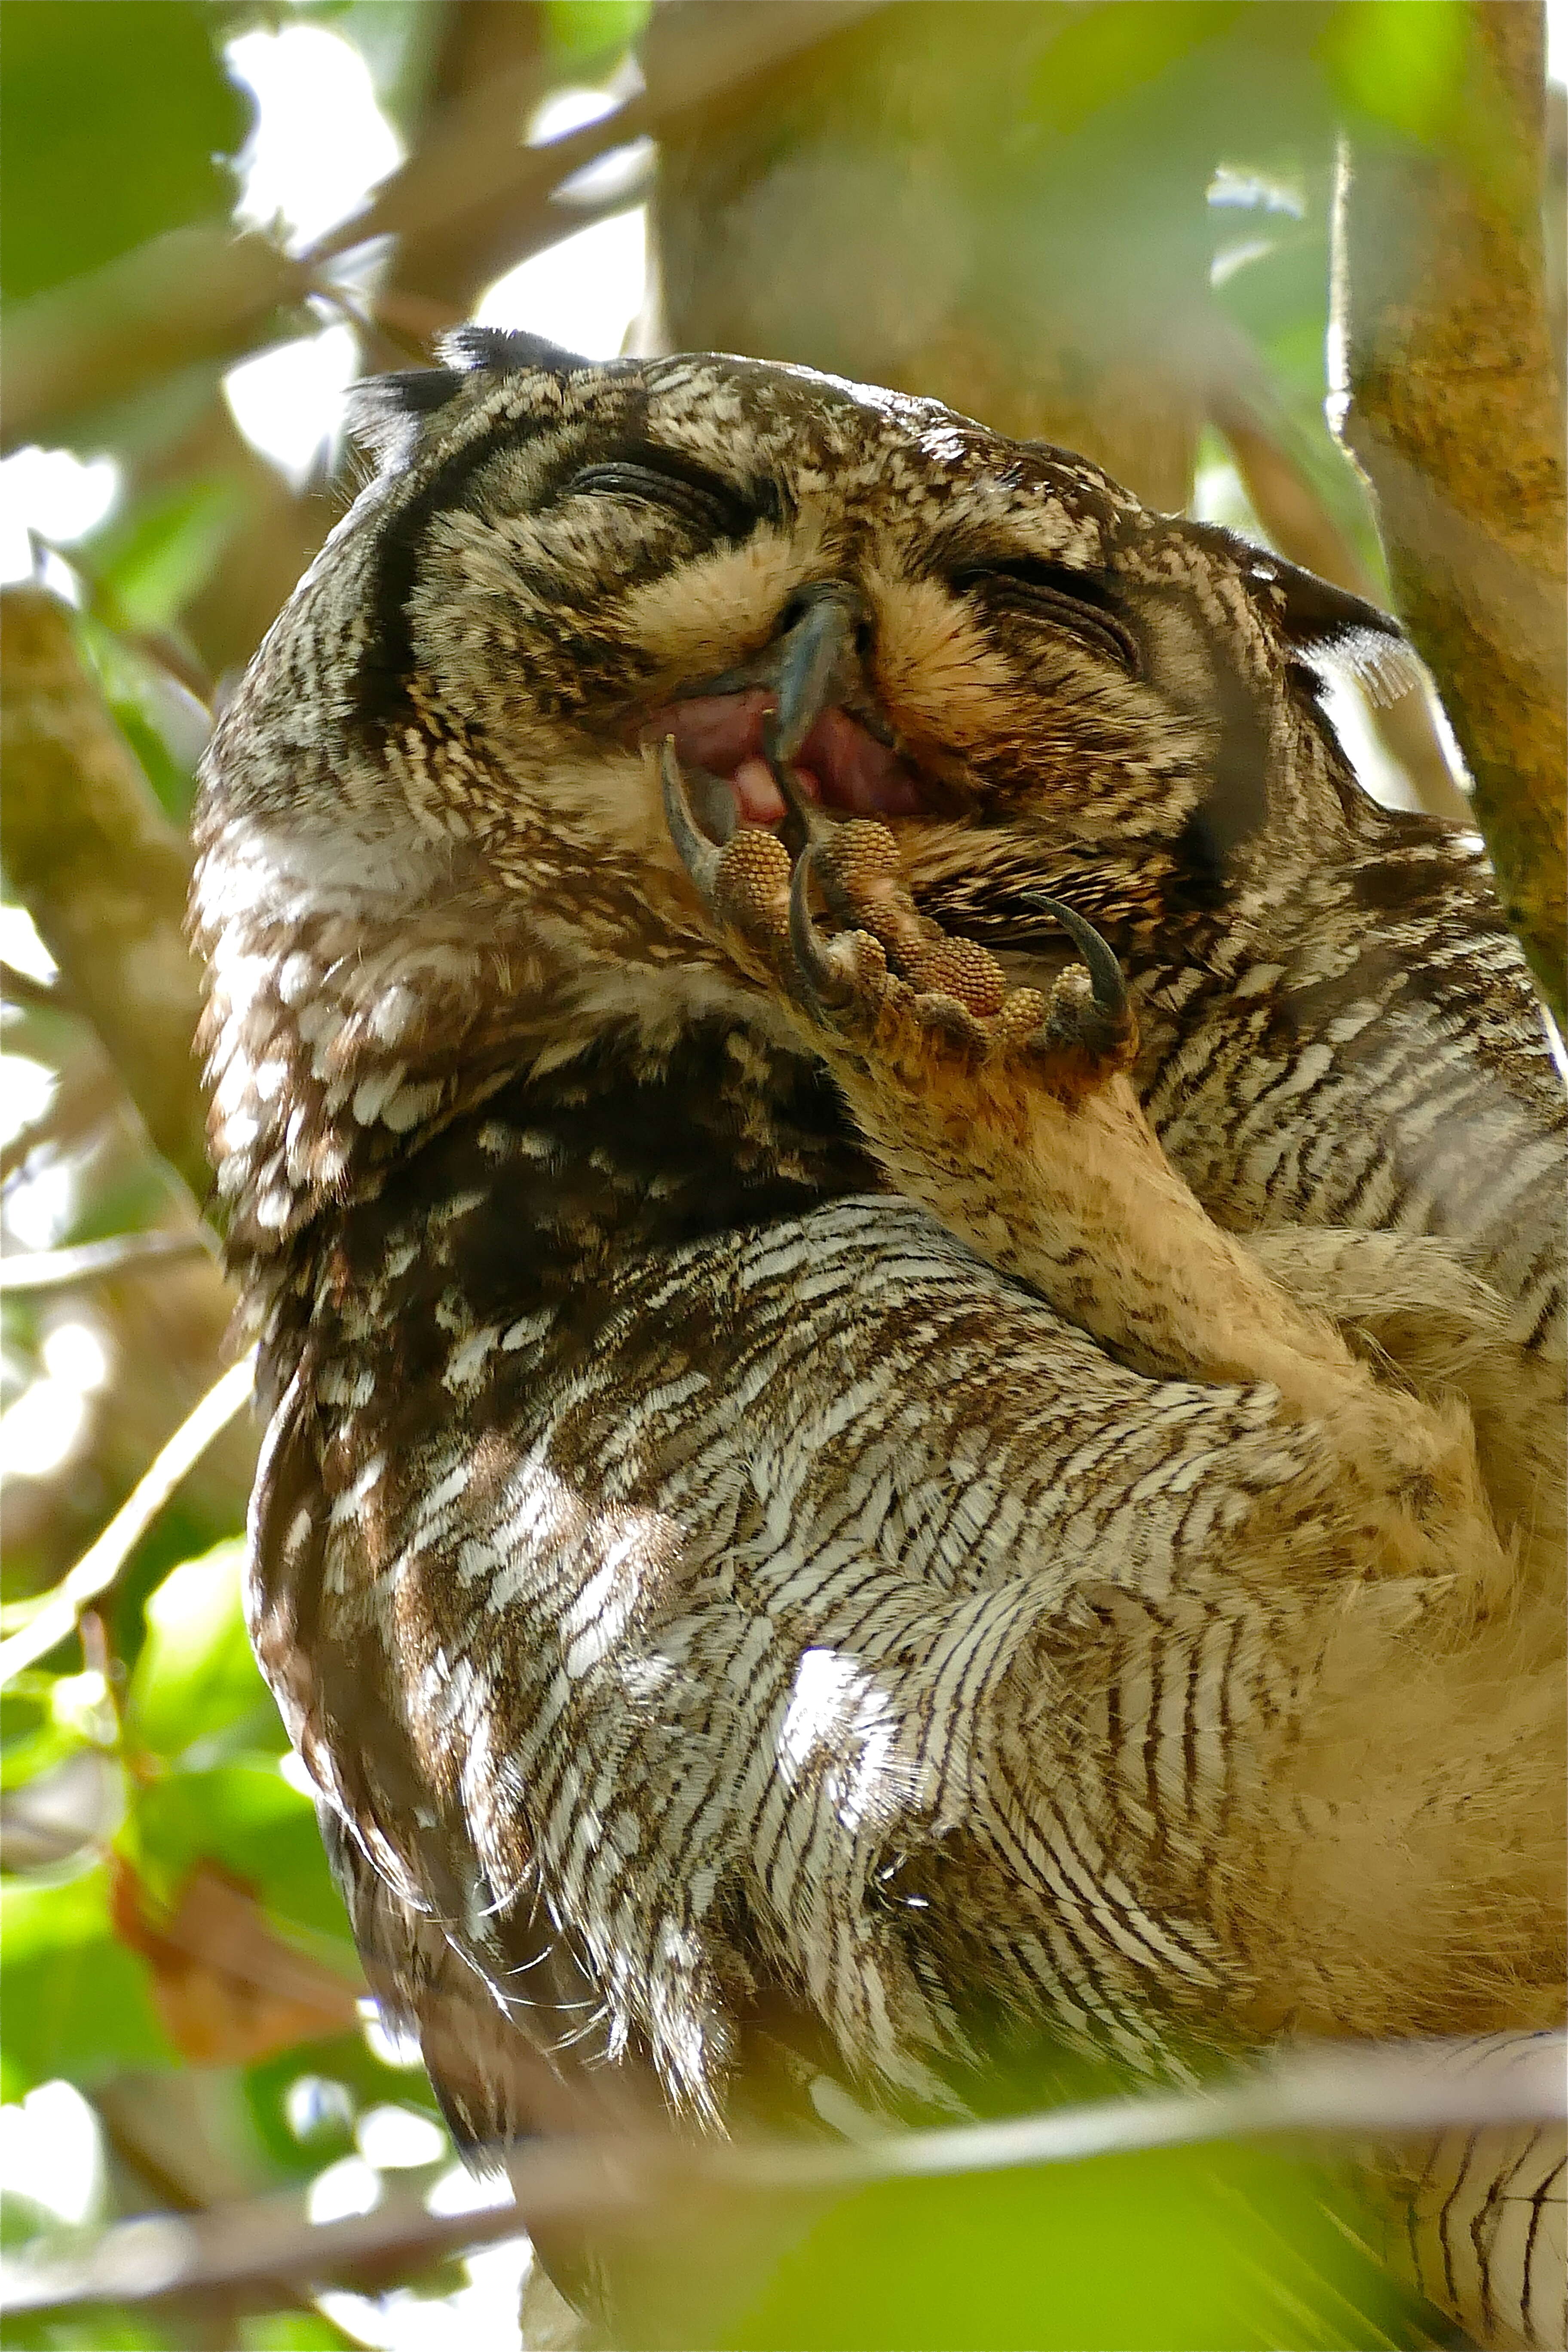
x: 692, y: 847
x: 1105, y: 974
x: 802, y: 822
x: 822, y: 976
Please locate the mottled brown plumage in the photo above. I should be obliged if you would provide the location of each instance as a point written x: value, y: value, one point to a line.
x: 791, y: 1527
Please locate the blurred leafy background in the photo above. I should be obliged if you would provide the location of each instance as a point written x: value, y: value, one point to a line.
x: 1101, y: 220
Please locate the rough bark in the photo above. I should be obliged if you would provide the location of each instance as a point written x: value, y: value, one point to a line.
x: 103, y: 873
x: 1455, y: 414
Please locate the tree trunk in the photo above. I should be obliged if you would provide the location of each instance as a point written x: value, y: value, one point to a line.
x: 1455, y: 413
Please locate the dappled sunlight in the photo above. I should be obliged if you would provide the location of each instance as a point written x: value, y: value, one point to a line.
x: 289, y: 401
x: 51, y: 2154
x: 56, y: 494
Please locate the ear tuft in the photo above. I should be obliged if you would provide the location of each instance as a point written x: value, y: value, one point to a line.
x: 508, y: 351
x: 1325, y: 622
x: 385, y: 412
x: 1384, y: 666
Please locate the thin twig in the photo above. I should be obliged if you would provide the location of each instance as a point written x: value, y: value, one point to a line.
x: 98, y: 1568
x: 59, y: 1269
x: 88, y: 1095
x: 1376, y: 2094
x: 34, y: 996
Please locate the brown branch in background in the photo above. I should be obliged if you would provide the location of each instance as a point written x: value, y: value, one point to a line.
x: 884, y: 207
x: 96, y: 1572
x: 471, y: 175
x: 1455, y: 414
x: 102, y: 871
x: 1395, y: 2092
x: 202, y: 293
x: 483, y: 47
x: 64, y: 1269
x: 32, y: 995
x: 88, y: 1095
x: 1302, y: 529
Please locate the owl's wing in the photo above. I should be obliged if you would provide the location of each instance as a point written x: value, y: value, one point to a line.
x: 668, y: 1671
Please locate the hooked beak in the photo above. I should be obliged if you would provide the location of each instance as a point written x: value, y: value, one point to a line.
x: 819, y: 663
x: 791, y: 731
x: 813, y: 664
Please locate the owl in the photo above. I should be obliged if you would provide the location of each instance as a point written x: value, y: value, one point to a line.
x: 908, y: 1273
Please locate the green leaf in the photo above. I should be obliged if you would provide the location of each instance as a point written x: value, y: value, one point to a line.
x: 1224, y: 2249
x: 77, y: 2002
x: 1107, y: 53
x: 291, y: 2331
x: 98, y: 2328
x: 583, y: 32
x: 1401, y: 63
x: 196, y: 1677
x: 112, y: 114
x: 246, y: 1817
x: 33, y: 1739
x: 148, y: 563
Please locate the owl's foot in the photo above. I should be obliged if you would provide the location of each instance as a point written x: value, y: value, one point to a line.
x: 890, y: 982
x: 1011, y: 1117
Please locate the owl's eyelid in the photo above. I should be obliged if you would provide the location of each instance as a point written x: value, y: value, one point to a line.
x: 1089, y: 587
x: 666, y: 480
x: 1079, y: 602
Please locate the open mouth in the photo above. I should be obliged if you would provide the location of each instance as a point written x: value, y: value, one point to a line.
x: 839, y: 765
x: 793, y: 729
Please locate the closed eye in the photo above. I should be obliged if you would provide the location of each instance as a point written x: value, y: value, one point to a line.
x: 1077, y: 602
x: 658, y: 478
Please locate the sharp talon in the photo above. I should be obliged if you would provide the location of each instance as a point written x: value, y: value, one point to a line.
x: 823, y: 976
x: 693, y: 849
x: 802, y: 822
x: 1105, y: 972
x: 713, y: 803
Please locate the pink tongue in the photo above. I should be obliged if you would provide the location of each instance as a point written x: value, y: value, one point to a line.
x: 757, y: 797
x: 861, y: 774
x: 840, y: 762
x: 713, y: 731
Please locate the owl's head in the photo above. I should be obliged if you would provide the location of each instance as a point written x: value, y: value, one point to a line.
x: 432, y: 834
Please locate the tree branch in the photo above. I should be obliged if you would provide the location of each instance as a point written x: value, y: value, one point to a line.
x: 1455, y: 414
x: 205, y: 294
x: 889, y: 207
x: 103, y: 872
x: 1378, y: 2092
x: 62, y: 1269
x: 99, y: 1565
x: 196, y: 294
x: 30, y: 995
